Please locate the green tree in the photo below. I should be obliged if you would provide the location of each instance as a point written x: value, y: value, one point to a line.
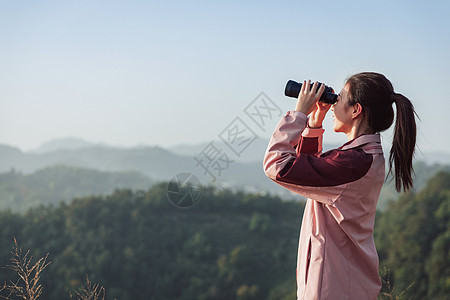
x: 411, y: 236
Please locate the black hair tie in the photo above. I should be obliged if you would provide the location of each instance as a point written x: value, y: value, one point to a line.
x: 394, y: 97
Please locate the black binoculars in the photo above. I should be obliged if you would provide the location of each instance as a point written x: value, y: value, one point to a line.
x: 293, y: 90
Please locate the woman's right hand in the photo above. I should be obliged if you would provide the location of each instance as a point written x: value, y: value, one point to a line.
x: 309, y: 105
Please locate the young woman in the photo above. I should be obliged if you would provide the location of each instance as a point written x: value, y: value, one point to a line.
x: 337, y: 258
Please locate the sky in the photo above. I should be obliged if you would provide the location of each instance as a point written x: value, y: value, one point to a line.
x: 167, y: 73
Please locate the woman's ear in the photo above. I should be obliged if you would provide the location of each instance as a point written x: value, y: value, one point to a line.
x: 357, y: 111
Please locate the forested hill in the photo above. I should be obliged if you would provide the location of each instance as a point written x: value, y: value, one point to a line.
x: 231, y: 245
x: 139, y: 246
x: 413, y: 240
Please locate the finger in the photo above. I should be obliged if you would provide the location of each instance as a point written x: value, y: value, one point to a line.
x: 308, y: 86
x: 317, y: 108
x: 324, y: 107
x: 314, y: 87
x: 302, y: 90
x: 323, y: 104
x: 321, y: 89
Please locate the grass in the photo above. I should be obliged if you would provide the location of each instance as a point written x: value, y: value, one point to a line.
x: 27, y: 286
x: 390, y: 292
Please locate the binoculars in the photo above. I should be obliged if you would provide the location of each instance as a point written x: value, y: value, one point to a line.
x: 293, y: 90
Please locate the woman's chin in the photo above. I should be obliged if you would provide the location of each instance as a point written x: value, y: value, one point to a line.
x: 337, y: 129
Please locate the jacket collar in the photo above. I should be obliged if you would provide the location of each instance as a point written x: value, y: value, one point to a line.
x: 370, y: 143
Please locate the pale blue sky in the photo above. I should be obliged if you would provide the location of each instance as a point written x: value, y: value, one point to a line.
x: 172, y: 72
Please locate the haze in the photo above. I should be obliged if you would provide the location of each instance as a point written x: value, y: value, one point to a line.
x: 178, y: 72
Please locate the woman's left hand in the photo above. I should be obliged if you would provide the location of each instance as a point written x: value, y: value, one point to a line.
x: 318, y: 114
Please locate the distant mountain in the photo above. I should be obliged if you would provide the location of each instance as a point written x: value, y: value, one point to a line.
x: 155, y: 162
x: 254, y: 152
x: 434, y: 157
x: 11, y: 157
x: 52, y: 185
x: 68, y: 143
x: 152, y: 161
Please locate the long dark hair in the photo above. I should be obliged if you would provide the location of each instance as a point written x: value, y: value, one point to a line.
x: 376, y: 95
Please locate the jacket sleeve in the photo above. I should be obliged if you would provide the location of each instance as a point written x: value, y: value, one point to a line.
x: 306, y: 171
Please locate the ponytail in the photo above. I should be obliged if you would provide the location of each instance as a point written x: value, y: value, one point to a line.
x: 403, y: 144
x: 376, y: 94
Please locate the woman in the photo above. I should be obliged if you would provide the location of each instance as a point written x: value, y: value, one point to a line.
x: 337, y: 258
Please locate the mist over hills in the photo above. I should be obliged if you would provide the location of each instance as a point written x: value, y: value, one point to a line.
x: 56, y: 184
x: 254, y: 153
x: 65, y: 143
x: 153, y: 161
x: 155, y: 164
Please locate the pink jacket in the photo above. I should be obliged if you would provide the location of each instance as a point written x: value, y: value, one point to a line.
x: 336, y: 257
